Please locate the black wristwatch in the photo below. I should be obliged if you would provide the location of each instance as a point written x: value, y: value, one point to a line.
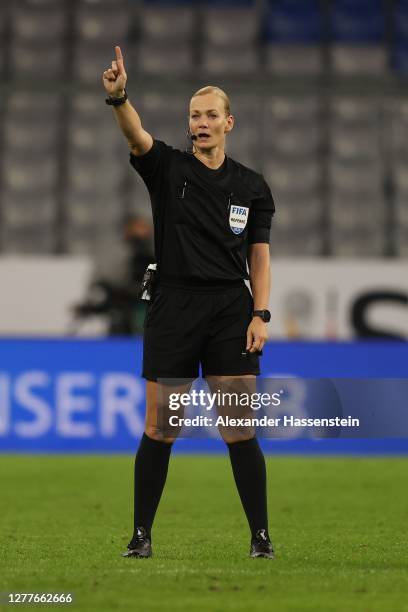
x: 264, y: 314
x: 117, y: 101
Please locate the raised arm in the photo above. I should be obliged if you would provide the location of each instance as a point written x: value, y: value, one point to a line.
x: 114, y: 81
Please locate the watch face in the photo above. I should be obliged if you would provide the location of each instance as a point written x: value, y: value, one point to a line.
x: 264, y: 314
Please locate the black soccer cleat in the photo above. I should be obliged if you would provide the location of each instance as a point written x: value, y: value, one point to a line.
x: 140, y: 545
x: 261, y: 546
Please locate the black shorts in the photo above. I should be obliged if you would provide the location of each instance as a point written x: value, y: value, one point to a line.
x: 186, y: 326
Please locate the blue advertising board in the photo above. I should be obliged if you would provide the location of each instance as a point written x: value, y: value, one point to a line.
x: 86, y: 395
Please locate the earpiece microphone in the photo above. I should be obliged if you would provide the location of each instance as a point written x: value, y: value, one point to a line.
x: 191, y: 138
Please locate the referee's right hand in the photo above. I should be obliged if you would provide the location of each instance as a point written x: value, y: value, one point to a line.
x: 114, y: 79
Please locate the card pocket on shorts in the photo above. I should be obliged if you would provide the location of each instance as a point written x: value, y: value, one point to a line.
x: 154, y: 308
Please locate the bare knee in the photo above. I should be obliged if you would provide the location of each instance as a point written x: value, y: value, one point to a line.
x: 231, y: 437
x: 157, y: 433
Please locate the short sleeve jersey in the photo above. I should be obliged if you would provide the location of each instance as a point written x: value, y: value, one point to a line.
x: 204, y: 219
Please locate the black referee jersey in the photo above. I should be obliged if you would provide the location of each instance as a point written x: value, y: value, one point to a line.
x: 204, y: 219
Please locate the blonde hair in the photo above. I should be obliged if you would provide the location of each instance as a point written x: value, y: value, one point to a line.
x: 212, y: 89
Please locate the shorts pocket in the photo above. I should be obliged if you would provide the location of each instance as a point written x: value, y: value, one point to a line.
x: 183, y: 301
x: 154, y: 307
x: 167, y: 308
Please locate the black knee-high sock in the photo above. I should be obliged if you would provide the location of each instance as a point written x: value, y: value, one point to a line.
x: 248, y: 466
x: 151, y: 465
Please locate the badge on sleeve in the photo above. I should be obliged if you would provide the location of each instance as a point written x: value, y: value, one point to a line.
x: 238, y: 218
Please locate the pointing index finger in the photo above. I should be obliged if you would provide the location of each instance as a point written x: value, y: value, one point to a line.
x: 118, y: 54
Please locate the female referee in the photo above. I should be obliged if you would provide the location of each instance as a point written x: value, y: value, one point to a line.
x: 211, y: 217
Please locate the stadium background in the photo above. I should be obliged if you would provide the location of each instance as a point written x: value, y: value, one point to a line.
x: 319, y: 91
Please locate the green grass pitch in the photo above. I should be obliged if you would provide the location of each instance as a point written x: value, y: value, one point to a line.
x: 339, y: 527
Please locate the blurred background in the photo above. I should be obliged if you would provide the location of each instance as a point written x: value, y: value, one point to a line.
x: 319, y: 89
x: 319, y: 92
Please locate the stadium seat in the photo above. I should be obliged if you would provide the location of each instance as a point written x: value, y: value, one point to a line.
x: 27, y: 57
x: 168, y: 3
x: 84, y: 209
x: 397, y: 120
x: 293, y: 60
x: 84, y: 241
x: 87, y: 105
x: 95, y: 140
x: 229, y: 60
x: 46, y: 22
x: 401, y: 242
x: 359, y: 22
x: 400, y: 15
x: 43, y: 3
x: 173, y: 134
x: 24, y: 171
x: 297, y: 211
x: 28, y: 209
x: 27, y: 132
x: 89, y: 239
x: 305, y: 241
x: 399, y: 60
x: 400, y: 234
x: 351, y: 212
x: 31, y: 136
x: 156, y: 110
x: 245, y: 106
x: 292, y: 33
x: 154, y: 23
x: 295, y: 109
x: 36, y: 104
x: 91, y: 129
x: 154, y: 102
x: 353, y: 177
x: 296, y: 177
x: 400, y: 175
x: 92, y: 135
x: 244, y: 146
x: 358, y: 59
x: 39, y: 240
x: 244, y: 142
x: 2, y: 43
x: 167, y: 59
x: 291, y: 22
x: 90, y: 60
x: 138, y: 200
x: 291, y: 127
x: 292, y: 140
x: 118, y: 4
x: 401, y: 210
x: 229, y: 26
x: 358, y: 243
x: 86, y: 173
x: 98, y: 24
x: 231, y: 3
x: 355, y: 142
x: 353, y: 109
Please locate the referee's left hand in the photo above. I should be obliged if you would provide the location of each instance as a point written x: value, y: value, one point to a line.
x: 256, y: 335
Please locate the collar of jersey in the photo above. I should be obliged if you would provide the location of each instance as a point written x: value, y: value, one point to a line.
x: 217, y: 173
